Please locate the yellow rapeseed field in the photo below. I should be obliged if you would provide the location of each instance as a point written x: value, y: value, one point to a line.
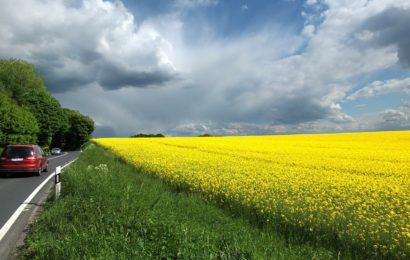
x: 353, y: 187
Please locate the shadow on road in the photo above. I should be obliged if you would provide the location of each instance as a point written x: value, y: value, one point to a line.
x: 17, y: 175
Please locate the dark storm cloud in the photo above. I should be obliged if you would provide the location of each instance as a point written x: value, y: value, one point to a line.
x: 104, y: 131
x: 298, y: 110
x: 114, y: 77
x: 62, y: 82
x: 61, y: 76
x: 391, y: 27
x: 88, y: 67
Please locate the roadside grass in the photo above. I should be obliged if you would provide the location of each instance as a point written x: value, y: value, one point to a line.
x: 111, y: 210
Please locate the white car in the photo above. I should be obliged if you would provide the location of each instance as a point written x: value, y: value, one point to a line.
x: 56, y: 151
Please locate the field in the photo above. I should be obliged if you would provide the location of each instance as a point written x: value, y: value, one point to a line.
x: 352, y: 189
x: 109, y: 209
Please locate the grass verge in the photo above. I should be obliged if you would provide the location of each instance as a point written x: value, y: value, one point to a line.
x: 111, y: 210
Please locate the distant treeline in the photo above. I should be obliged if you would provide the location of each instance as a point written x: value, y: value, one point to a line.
x: 30, y: 114
x: 161, y: 135
x: 147, y: 135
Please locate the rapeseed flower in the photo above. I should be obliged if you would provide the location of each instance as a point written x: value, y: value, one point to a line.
x: 355, y: 187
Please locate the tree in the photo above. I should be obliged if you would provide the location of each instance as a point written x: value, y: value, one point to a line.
x: 17, y: 78
x: 59, y: 137
x: 79, y: 131
x: 22, y: 88
x: 17, y: 124
x: 50, y: 116
x: 20, y: 81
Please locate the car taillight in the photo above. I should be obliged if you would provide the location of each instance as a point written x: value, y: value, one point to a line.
x: 30, y: 158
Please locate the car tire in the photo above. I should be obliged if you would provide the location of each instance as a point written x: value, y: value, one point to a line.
x: 38, y: 173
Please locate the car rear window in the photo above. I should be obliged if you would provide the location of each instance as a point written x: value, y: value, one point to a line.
x: 19, y: 152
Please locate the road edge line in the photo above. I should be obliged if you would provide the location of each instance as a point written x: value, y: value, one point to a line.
x: 6, y: 227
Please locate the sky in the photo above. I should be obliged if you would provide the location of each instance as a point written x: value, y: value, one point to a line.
x: 223, y: 67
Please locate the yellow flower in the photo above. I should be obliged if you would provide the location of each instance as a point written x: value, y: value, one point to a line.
x: 355, y: 186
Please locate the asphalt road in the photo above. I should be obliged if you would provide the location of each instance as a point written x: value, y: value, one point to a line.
x: 14, y: 189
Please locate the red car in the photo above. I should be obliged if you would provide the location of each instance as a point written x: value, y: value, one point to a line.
x: 23, y: 158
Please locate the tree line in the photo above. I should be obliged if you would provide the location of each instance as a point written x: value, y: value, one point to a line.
x: 30, y: 114
x: 141, y: 135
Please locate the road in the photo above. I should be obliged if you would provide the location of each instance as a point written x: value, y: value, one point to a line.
x: 14, y: 190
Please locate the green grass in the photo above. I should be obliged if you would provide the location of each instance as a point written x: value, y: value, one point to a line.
x: 120, y: 212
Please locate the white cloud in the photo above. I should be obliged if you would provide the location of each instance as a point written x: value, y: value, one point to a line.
x: 309, y: 30
x: 397, y: 118
x: 244, y: 7
x: 96, y: 41
x: 382, y: 87
x: 389, y: 119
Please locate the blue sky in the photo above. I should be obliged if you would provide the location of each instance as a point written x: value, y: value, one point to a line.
x: 378, y: 103
x: 186, y: 67
x: 228, y: 17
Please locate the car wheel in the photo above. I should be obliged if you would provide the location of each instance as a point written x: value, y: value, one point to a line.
x: 38, y: 173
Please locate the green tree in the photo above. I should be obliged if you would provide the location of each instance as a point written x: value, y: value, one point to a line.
x: 79, y: 131
x: 17, y: 77
x: 20, y: 81
x: 49, y: 114
x: 31, y: 101
x: 17, y: 124
x: 59, y: 137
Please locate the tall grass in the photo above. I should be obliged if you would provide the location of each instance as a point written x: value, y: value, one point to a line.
x: 111, y: 210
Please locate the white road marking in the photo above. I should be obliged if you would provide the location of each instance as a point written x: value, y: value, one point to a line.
x: 5, y: 228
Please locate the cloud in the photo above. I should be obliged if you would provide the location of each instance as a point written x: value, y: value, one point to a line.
x: 74, y: 43
x: 309, y: 30
x: 97, y: 59
x: 255, y: 84
x: 114, y: 77
x: 396, y: 118
x: 288, y: 111
x: 244, y: 7
x: 391, y: 27
x: 104, y: 131
x: 389, y: 119
x: 382, y: 87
